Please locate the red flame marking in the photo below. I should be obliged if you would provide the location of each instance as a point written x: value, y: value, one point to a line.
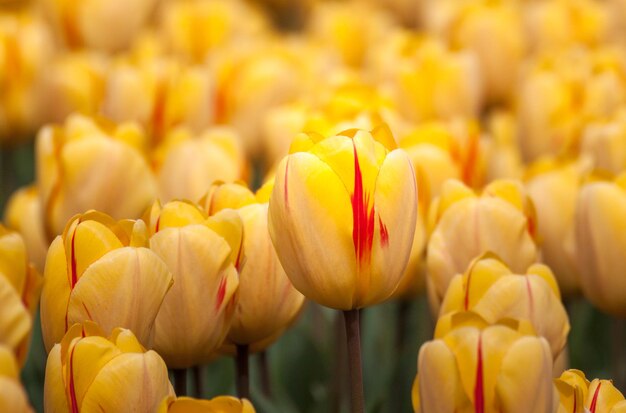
x: 479, y: 393
x: 362, y: 218
x: 221, y: 293
x: 594, y: 401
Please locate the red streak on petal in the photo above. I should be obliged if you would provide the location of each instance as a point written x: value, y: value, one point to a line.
x: 158, y: 224
x: 384, y: 234
x: 479, y: 393
x: 594, y: 401
x: 87, y: 311
x: 470, y: 161
x: 467, y: 288
x: 73, y: 401
x: 239, y: 260
x: 286, y: 190
x: 531, y: 303
x: 362, y: 218
x: 575, y: 403
x: 221, y: 293
x: 74, y: 279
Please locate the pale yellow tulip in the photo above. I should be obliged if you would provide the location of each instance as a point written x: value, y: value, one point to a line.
x: 13, y: 398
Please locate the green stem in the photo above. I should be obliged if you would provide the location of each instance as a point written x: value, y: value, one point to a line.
x: 180, y: 382
x: 353, y: 337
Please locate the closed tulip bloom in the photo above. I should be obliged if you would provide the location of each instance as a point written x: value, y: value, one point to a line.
x: 19, y: 294
x: 221, y: 404
x: 467, y: 225
x: 490, y: 289
x: 604, y: 143
x: 477, y: 368
x: 100, y: 270
x: 13, y: 398
x: 342, y: 217
x: 600, y: 234
x: 88, y: 371
x: 87, y: 24
x: 268, y: 302
x: 89, y: 165
x: 187, y: 163
x: 577, y: 395
x: 203, y: 254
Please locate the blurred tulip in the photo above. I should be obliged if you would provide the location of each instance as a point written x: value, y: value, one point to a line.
x: 604, y: 143
x: 187, y: 164
x: 408, y: 12
x: 203, y: 254
x: 23, y: 214
x: 221, y: 404
x: 87, y: 372
x: 474, y: 367
x: 268, y: 302
x: 90, y: 164
x: 600, y: 231
x: 553, y: 187
x: 100, y: 270
x: 335, y: 217
x: 491, y: 290
x: 577, y: 395
x: 19, y: 294
x: 466, y: 225
x: 13, y: 398
x: 504, y: 160
x: 88, y: 23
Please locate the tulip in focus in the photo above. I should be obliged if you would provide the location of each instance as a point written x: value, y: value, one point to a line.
x: 577, y: 395
x: 19, y: 294
x: 13, y: 398
x: 88, y: 371
x: 101, y: 270
x: 342, y: 217
x: 491, y: 290
x: 221, y: 404
x: 473, y: 367
x: 203, y: 254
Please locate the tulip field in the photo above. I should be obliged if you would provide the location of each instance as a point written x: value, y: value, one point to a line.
x: 313, y: 206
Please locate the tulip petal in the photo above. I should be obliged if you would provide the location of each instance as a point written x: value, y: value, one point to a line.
x: 54, y: 398
x: 55, y: 295
x: 15, y: 320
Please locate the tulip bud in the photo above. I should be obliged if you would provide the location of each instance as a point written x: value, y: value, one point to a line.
x: 90, y: 165
x: 491, y: 290
x: 504, y: 160
x: 100, y: 270
x: 87, y: 372
x: 186, y: 165
x: 474, y: 367
x: 13, y: 398
x: 221, y: 404
x: 600, y: 233
x: 466, y: 225
x: 268, y: 302
x: 19, y: 294
x: 604, y: 143
x: 202, y: 254
x: 342, y: 217
x: 577, y: 395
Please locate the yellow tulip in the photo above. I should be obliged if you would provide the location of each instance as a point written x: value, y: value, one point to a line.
x: 203, y: 254
x: 553, y: 187
x: 13, y: 398
x: 89, y: 165
x: 577, y: 395
x: 473, y: 367
x: 187, y: 165
x: 100, y: 270
x: 491, y: 290
x: 87, y: 24
x: 504, y: 159
x: 88, y: 371
x: 466, y: 225
x: 604, y: 143
x: 268, y: 302
x: 600, y: 234
x: 221, y: 404
x: 342, y: 217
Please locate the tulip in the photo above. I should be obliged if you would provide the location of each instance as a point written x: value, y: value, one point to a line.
x: 19, y: 294
x: 466, y: 225
x: 202, y: 254
x: 88, y: 371
x: 13, y: 398
x: 474, y: 367
x: 577, y: 395
x: 600, y: 240
x: 23, y: 214
x: 89, y: 165
x: 491, y: 290
x: 187, y: 165
x: 553, y: 188
x: 603, y: 143
x: 87, y: 24
x: 221, y: 404
x: 268, y: 303
x: 100, y: 270
x: 504, y: 160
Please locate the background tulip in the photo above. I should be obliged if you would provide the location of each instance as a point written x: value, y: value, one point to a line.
x: 100, y: 270
x: 576, y: 394
x: 87, y: 371
x: 222, y: 404
x: 13, y: 398
x: 202, y: 254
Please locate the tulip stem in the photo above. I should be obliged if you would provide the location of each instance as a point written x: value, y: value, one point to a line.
x: 243, y: 375
x: 353, y: 337
x: 198, y: 381
x: 266, y: 380
x: 617, y: 332
x: 180, y: 381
